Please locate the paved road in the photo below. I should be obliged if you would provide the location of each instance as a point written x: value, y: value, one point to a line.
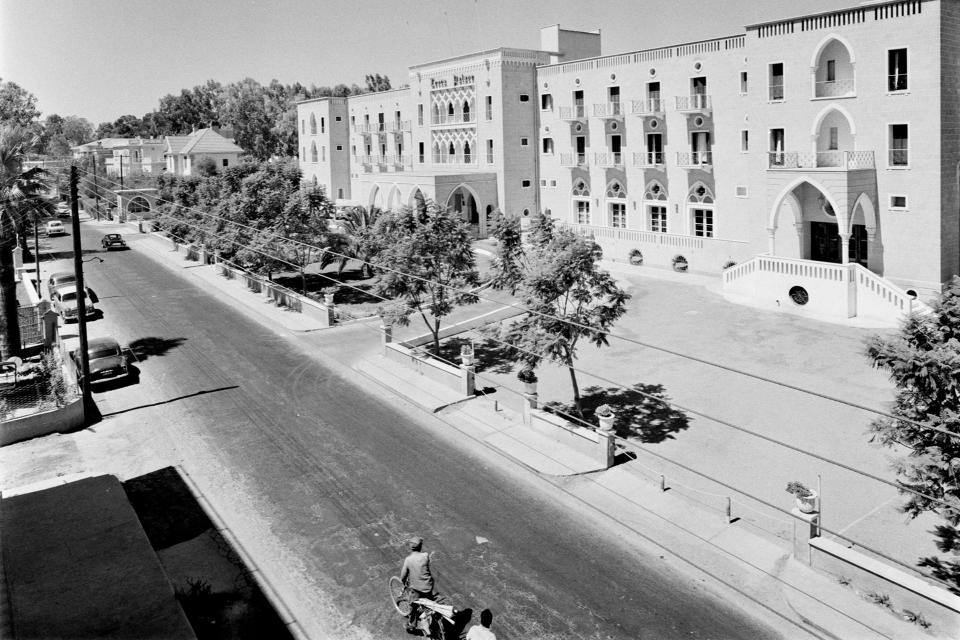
x: 338, y: 478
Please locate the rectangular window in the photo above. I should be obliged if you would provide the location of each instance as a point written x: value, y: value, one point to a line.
x: 323, y: 125
x: 898, y: 202
x: 618, y: 215
x: 583, y: 211
x: 553, y: 183
x: 353, y: 151
x: 353, y: 121
x: 776, y: 81
x: 524, y: 142
x: 548, y: 146
x: 340, y: 192
x: 741, y: 191
x: 703, y: 223
x: 546, y: 102
x: 744, y: 141
x: 489, y: 151
x: 897, y: 70
x: 613, y: 97
x: 743, y: 83
x: 524, y: 97
x: 615, y: 148
x: 419, y: 114
x: 420, y: 152
x: 580, y: 144
x: 658, y: 218
x: 831, y: 70
x: 303, y: 126
x: 323, y: 154
x: 654, y: 148
x: 776, y: 147
x: 226, y: 162
x: 899, y: 145
x: 489, y: 110
x: 834, y: 139
x: 339, y: 147
x: 543, y: 183
x: 700, y: 147
x: 578, y: 108
x: 338, y: 119
x: 525, y: 184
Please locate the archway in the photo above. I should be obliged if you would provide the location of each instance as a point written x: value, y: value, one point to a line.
x: 376, y: 197
x: 834, y: 133
x: 865, y: 244
x: 138, y: 205
x: 820, y: 227
x: 417, y: 199
x: 393, y: 200
x: 464, y: 201
x: 832, y: 66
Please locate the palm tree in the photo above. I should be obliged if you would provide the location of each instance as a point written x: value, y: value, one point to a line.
x: 350, y: 242
x: 21, y: 194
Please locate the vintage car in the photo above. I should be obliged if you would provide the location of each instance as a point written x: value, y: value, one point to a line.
x: 113, y: 241
x: 107, y: 360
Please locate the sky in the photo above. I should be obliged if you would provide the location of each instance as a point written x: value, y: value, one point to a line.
x: 100, y: 59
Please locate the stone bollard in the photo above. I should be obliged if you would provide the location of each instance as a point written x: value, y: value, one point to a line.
x: 51, y: 324
x: 530, y: 402
x: 18, y: 257
x: 607, y: 442
x: 140, y: 224
x: 468, y: 376
x: 806, y: 526
x: 386, y: 334
x: 331, y: 309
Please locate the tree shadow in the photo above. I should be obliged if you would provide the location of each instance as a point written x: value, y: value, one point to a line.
x: 143, y: 348
x: 641, y: 412
x: 66, y: 255
x: 490, y: 355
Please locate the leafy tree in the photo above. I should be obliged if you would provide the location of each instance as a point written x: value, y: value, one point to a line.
x: 376, y: 82
x: 354, y: 240
x: 426, y: 260
x: 923, y: 360
x: 17, y: 105
x: 304, y: 227
x: 557, y: 278
x: 206, y: 166
x: 21, y: 196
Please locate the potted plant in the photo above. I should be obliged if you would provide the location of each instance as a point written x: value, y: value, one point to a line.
x: 806, y: 498
x: 605, y: 415
x: 679, y: 263
x: 635, y: 257
x: 529, y: 379
x: 466, y: 354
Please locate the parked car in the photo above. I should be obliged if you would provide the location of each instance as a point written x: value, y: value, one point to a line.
x: 65, y: 302
x: 63, y: 210
x: 55, y: 228
x: 113, y: 241
x: 60, y: 279
x: 107, y: 360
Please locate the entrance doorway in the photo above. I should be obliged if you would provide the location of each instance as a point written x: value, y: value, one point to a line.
x: 825, y: 243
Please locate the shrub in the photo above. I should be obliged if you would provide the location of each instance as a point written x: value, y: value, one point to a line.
x: 679, y: 263
x: 526, y: 375
x: 798, y: 489
x: 603, y: 410
x: 635, y: 256
x: 728, y: 264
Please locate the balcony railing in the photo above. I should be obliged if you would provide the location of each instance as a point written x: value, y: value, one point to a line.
x: 646, y: 159
x: 612, y: 159
x: 573, y: 159
x: 576, y: 112
x: 835, y: 88
x: 832, y: 160
x: 647, y: 107
x: 442, y: 158
x: 398, y: 126
x: 695, y: 102
x: 443, y: 118
x: 689, y: 159
x: 608, y: 110
x: 776, y: 91
x: 366, y: 127
x: 898, y: 157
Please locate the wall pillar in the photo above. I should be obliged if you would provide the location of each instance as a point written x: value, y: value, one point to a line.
x: 844, y: 248
x: 331, y: 309
x: 806, y: 526
x: 529, y: 405
x: 607, y: 443
x: 50, y: 320
x: 772, y: 241
x: 386, y: 334
x: 468, y: 380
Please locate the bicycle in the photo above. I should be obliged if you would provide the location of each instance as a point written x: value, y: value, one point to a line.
x: 436, y: 619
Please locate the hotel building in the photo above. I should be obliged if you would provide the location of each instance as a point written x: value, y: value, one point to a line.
x: 812, y: 163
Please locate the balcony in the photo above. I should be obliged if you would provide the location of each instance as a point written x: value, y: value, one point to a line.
x: 442, y: 158
x: 610, y: 110
x: 366, y: 162
x: 456, y: 119
x: 842, y: 88
x: 822, y: 160
x: 398, y: 126
x: 648, y: 159
x: 648, y: 107
x: 696, y: 103
x: 366, y: 128
x: 612, y: 159
x: 695, y: 159
x: 573, y: 113
x: 573, y: 160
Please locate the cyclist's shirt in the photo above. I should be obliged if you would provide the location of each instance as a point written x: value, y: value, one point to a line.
x: 416, y: 572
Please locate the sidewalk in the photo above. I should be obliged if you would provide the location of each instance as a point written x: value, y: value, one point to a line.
x: 745, y: 559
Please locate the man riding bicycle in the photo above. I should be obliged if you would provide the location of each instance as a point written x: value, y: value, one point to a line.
x: 417, y: 577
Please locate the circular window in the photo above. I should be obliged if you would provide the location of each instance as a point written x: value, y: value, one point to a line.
x: 546, y: 84
x: 799, y: 295
x: 579, y: 128
x: 653, y: 72
x: 613, y: 126
x: 911, y: 293
x: 654, y: 123
x: 526, y: 212
x: 698, y: 121
x: 576, y: 81
x: 547, y: 129
x: 697, y: 66
x: 613, y: 76
x: 655, y: 189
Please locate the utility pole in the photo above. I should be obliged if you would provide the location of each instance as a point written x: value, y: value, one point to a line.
x: 96, y: 188
x: 81, y: 289
x: 120, y: 157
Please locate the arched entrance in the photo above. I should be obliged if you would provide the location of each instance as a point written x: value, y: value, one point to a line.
x: 393, y: 200
x: 807, y: 222
x: 376, y: 197
x: 463, y: 201
x: 138, y: 206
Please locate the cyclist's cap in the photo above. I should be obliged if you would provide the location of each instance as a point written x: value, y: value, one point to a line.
x: 415, y: 543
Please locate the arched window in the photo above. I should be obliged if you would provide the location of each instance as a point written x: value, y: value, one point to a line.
x: 655, y: 207
x: 450, y: 109
x: 616, y: 190
x: 655, y: 191
x: 436, y: 114
x: 700, y: 193
x: 313, y: 152
x: 700, y: 204
x: 466, y: 111
x: 451, y: 153
x: 437, y: 153
x: 466, y: 152
x: 617, y: 205
x: 138, y: 205
x: 313, y: 125
x: 581, y: 202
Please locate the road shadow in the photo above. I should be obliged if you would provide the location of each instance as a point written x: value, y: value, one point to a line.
x: 641, y: 411
x: 143, y: 348
x: 67, y: 255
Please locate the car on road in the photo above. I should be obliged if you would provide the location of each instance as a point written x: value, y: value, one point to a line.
x: 63, y: 210
x: 113, y: 241
x: 65, y: 302
x: 60, y: 279
x: 107, y: 360
x: 55, y: 228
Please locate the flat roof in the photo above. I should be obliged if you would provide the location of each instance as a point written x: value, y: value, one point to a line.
x: 867, y: 4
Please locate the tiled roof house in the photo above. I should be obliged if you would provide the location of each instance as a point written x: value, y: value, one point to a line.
x: 183, y: 152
